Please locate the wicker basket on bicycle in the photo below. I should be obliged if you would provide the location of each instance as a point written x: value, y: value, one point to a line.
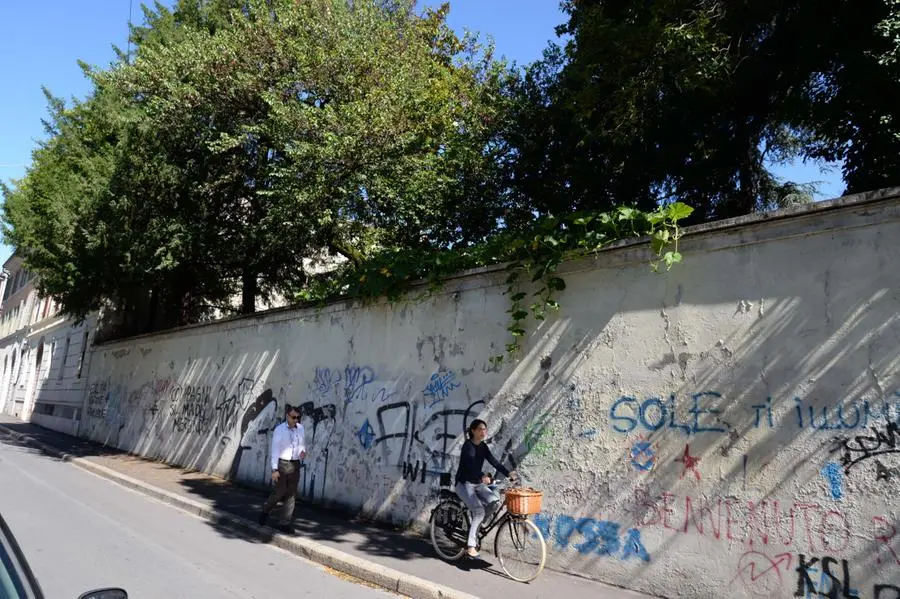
x: 523, y: 501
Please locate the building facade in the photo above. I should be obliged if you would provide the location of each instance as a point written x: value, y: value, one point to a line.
x: 44, y: 354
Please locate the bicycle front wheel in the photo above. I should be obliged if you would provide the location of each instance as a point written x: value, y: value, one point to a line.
x: 520, y: 547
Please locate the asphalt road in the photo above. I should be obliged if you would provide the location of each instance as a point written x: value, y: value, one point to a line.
x: 81, y: 532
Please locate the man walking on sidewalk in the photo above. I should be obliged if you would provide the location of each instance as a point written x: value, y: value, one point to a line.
x: 288, y: 448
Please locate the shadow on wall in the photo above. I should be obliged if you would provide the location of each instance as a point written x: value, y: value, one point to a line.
x: 736, y: 411
x: 776, y: 443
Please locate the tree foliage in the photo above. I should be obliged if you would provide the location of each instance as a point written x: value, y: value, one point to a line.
x: 677, y: 100
x: 244, y: 138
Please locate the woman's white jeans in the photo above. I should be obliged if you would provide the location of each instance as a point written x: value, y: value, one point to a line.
x: 476, y: 497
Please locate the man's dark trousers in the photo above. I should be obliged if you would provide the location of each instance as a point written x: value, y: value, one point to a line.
x: 285, y: 490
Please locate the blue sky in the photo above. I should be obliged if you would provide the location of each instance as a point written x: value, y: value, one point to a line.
x: 41, y: 40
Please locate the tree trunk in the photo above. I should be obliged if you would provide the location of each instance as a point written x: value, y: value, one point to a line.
x: 186, y: 307
x: 249, y: 290
x: 746, y: 200
x: 153, y: 309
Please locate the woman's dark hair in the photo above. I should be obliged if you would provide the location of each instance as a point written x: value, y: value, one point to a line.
x: 475, y: 424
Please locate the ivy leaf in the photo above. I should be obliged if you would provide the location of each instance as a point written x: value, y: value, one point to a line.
x: 671, y: 258
x: 519, y: 296
x: 626, y: 213
x: 660, y: 240
x: 678, y: 210
x: 520, y: 315
x: 556, y: 284
x: 657, y: 217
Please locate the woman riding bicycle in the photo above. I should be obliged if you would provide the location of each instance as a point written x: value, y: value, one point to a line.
x: 472, y: 483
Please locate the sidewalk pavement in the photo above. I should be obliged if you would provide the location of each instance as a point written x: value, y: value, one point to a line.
x: 399, y: 562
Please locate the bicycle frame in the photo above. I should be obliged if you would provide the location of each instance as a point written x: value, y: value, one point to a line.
x: 499, y: 518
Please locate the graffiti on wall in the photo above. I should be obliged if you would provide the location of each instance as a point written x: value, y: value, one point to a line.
x: 883, y: 441
x: 761, y: 574
x: 439, y: 387
x: 702, y: 412
x: 197, y: 409
x: 98, y: 399
x: 353, y: 383
x: 363, y: 426
x: 642, y: 455
x: 319, y: 424
x: 587, y: 535
x: 258, y: 422
x: 405, y: 435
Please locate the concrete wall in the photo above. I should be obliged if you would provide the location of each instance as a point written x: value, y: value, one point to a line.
x: 727, y: 429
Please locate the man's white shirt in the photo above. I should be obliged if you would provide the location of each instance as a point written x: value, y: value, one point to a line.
x: 287, y: 443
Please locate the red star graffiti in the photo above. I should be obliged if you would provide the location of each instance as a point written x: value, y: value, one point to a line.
x: 690, y: 462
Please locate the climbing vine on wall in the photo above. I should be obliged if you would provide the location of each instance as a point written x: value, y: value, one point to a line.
x: 532, y: 257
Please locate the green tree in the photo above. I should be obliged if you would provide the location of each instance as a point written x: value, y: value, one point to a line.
x: 849, y: 100
x: 241, y: 138
x: 655, y: 101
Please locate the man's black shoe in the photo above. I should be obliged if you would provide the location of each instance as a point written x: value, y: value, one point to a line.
x: 263, y: 518
x: 287, y: 529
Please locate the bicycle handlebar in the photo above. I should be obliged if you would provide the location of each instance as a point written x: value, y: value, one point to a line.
x: 506, y: 483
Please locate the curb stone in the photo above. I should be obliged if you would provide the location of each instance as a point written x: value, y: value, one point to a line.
x: 383, y: 576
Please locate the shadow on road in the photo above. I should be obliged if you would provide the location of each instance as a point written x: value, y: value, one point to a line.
x: 331, y: 527
x: 328, y: 526
x: 71, y: 445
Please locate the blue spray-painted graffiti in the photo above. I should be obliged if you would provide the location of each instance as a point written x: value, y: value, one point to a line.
x: 643, y: 457
x: 439, y: 387
x: 366, y: 435
x: 355, y: 380
x: 834, y: 474
x: 654, y: 413
x: 598, y: 536
x: 325, y: 380
x: 704, y: 416
x: 354, y: 384
x: 851, y: 416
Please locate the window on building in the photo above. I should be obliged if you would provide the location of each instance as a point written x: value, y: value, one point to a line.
x: 35, y: 308
x: 84, y: 346
x: 65, y: 357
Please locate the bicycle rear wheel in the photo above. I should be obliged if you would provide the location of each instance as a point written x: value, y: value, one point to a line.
x: 520, y: 547
x: 449, y: 529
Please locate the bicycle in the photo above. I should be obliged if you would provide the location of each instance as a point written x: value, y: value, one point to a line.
x: 449, y: 523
